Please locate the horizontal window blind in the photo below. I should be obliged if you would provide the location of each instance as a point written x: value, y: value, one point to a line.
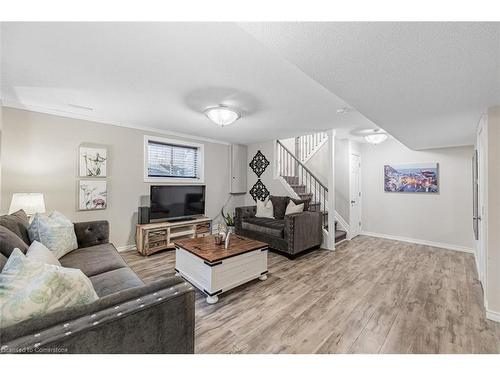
x: 169, y: 160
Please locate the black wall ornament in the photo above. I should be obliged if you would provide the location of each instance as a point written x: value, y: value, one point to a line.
x: 259, y: 163
x: 259, y: 191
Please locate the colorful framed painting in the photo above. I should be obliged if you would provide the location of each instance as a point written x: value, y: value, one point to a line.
x: 92, y: 161
x: 92, y: 195
x: 411, y: 178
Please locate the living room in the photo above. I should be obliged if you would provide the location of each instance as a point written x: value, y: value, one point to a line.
x: 163, y: 192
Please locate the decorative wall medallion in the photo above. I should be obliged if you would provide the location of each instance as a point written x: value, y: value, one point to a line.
x: 259, y: 163
x: 259, y: 191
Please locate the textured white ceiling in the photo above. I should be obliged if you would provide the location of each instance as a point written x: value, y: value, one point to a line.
x: 425, y: 83
x: 162, y: 76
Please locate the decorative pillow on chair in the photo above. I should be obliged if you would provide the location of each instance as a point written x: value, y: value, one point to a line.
x: 55, y: 231
x: 264, y: 209
x: 293, y: 208
x: 30, y: 289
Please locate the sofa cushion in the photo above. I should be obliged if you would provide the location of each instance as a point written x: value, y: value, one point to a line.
x: 115, y: 281
x: 271, y: 227
x: 9, y: 241
x: 94, y: 260
x: 17, y: 223
x: 279, y: 206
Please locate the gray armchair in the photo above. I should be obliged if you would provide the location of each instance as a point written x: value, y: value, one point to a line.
x: 291, y: 234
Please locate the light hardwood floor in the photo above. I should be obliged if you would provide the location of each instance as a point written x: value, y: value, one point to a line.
x: 369, y: 296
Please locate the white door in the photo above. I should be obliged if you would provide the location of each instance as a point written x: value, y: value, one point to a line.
x: 481, y: 161
x: 355, y: 195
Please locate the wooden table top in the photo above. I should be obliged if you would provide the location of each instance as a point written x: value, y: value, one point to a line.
x: 206, y: 249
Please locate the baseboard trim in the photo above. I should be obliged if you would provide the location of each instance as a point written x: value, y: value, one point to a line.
x: 493, y: 315
x: 420, y: 242
x: 121, y: 249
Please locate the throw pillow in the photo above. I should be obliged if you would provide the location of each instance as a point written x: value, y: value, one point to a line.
x: 9, y: 241
x: 32, y: 289
x: 55, y: 231
x: 264, y: 209
x: 293, y: 208
x: 17, y: 223
x: 279, y: 206
x: 39, y: 252
x: 305, y: 201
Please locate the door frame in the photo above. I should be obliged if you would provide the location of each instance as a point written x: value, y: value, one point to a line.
x: 352, y: 225
x: 482, y: 160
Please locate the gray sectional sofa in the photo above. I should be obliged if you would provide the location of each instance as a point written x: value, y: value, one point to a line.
x: 128, y: 317
x: 289, y: 234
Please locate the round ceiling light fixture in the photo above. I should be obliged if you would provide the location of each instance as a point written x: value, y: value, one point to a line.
x: 376, y: 137
x: 222, y: 115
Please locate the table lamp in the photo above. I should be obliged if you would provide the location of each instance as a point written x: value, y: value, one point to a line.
x: 31, y: 203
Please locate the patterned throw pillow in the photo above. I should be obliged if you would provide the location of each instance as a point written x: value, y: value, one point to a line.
x: 31, y: 289
x: 55, y: 231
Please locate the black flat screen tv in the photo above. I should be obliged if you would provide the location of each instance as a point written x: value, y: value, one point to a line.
x: 177, y: 201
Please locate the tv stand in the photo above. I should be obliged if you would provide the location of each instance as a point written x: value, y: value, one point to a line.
x: 154, y: 237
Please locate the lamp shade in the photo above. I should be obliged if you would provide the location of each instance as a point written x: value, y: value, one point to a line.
x: 222, y: 115
x: 31, y: 203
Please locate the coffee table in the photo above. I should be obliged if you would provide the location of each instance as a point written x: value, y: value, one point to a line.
x: 214, y: 270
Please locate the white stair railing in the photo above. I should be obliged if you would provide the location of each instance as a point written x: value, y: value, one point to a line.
x: 306, y: 145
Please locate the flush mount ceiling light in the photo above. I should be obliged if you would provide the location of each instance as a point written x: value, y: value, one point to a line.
x: 376, y: 137
x: 222, y: 115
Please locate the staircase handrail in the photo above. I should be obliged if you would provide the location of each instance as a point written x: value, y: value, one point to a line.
x: 302, y: 165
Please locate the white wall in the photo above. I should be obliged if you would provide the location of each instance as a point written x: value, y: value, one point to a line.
x: 39, y: 154
x: 444, y: 218
x: 274, y: 186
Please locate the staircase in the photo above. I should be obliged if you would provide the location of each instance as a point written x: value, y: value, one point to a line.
x: 305, y: 185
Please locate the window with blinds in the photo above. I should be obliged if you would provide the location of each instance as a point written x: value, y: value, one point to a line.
x: 170, y: 160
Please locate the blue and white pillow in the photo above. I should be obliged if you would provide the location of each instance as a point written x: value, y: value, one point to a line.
x: 30, y: 288
x: 55, y: 231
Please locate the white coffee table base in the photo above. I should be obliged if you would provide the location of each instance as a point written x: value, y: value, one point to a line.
x: 218, y: 277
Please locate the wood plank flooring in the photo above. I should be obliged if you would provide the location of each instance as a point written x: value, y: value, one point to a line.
x: 369, y: 296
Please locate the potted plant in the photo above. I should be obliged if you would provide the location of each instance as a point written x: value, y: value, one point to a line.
x: 228, y: 220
